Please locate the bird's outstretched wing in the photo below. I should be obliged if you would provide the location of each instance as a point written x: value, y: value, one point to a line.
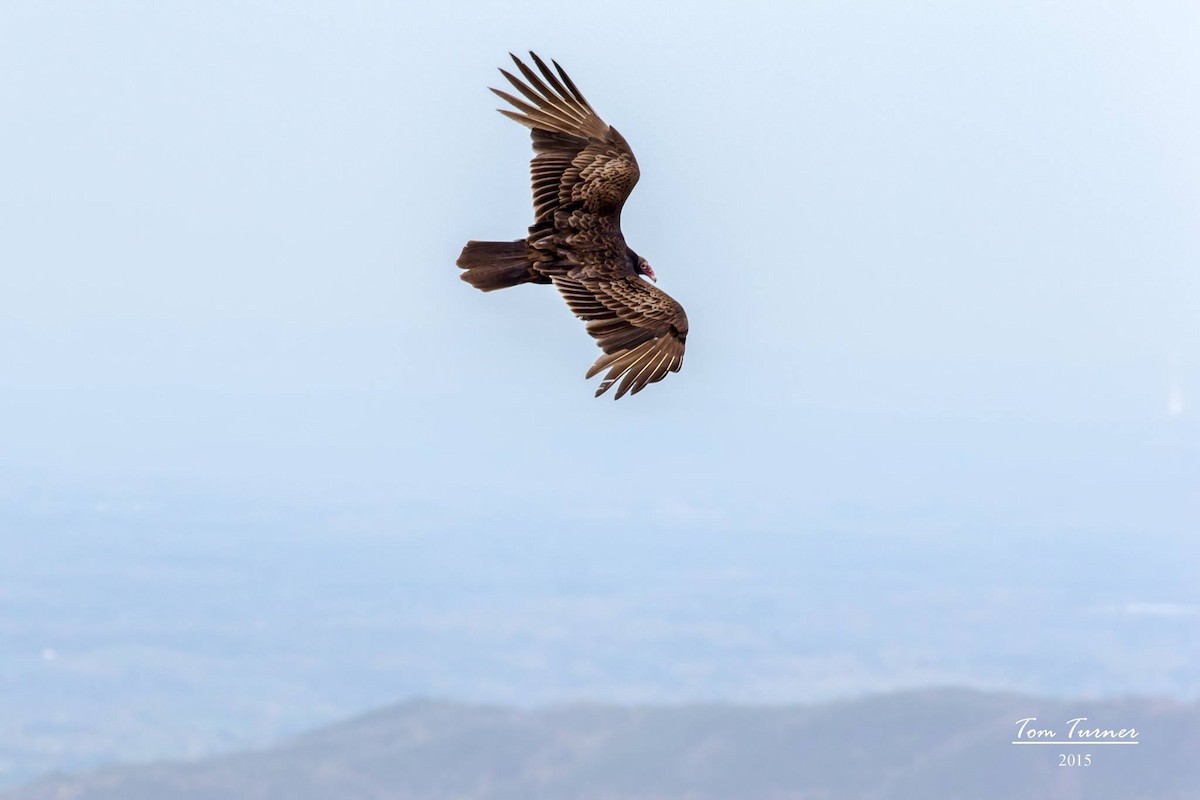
x: 641, y: 330
x: 582, y: 163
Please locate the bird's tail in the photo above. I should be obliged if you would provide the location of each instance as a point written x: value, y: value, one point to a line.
x: 495, y: 265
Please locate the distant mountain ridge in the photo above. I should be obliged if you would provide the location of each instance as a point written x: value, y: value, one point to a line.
x: 943, y: 744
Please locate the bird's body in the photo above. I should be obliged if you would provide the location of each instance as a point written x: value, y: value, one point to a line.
x: 583, y: 170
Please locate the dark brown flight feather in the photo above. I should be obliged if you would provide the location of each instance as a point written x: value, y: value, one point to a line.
x: 582, y: 172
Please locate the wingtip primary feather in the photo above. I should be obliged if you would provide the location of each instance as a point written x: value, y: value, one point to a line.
x: 549, y: 75
x: 542, y: 116
x: 571, y: 85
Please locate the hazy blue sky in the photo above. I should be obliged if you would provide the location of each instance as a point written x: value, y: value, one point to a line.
x: 939, y: 256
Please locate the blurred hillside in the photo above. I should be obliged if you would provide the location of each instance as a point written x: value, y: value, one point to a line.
x: 944, y: 744
x: 137, y: 632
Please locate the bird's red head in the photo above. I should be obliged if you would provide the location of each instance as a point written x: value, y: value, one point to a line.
x: 643, y: 268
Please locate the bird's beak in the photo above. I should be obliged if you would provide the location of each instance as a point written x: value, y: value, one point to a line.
x: 649, y: 273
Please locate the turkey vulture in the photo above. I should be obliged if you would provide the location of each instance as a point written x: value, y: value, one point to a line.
x: 582, y: 172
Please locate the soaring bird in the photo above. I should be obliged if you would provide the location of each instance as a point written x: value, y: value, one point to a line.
x: 583, y: 170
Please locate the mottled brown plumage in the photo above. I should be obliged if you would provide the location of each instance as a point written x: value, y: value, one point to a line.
x: 582, y: 171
